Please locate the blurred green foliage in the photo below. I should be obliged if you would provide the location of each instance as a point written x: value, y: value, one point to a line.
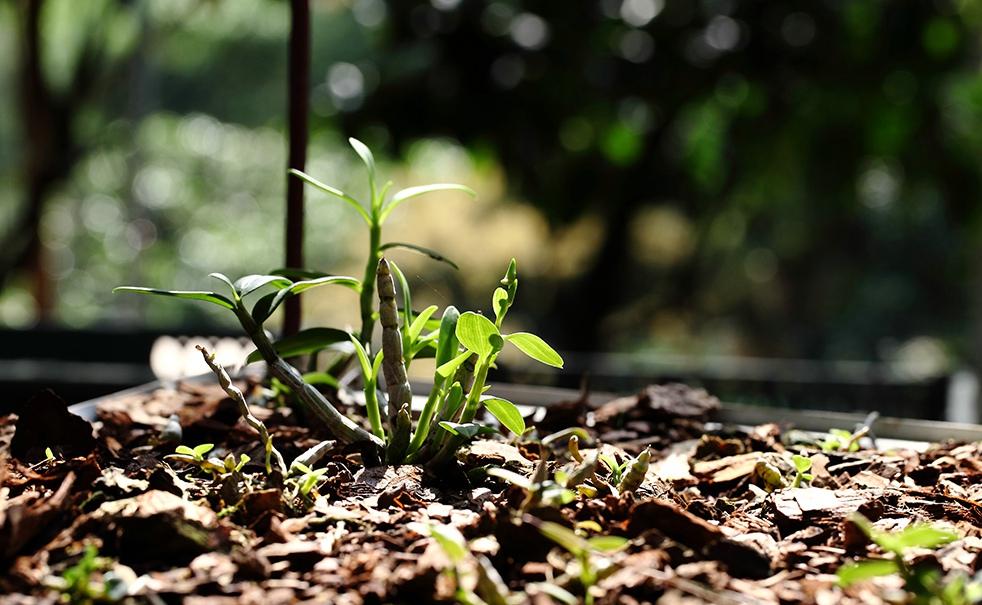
x: 775, y: 178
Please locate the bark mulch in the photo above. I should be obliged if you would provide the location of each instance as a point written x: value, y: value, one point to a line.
x: 109, y: 517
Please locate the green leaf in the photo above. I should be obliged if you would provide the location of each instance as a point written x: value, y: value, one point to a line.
x: 511, y: 477
x: 335, y: 192
x: 447, y: 342
x: 467, y: 429
x: 212, y: 297
x: 407, y: 299
x: 420, y: 249
x: 183, y: 449
x: 864, y: 570
x: 448, y: 369
x: 304, y: 342
x: 411, y: 192
x: 320, y: 378
x: 299, y: 274
x: 922, y: 535
x: 376, y: 365
x: 556, y: 592
x: 451, y: 541
x: 363, y: 360
x: 802, y: 463
x: 536, y: 348
x: 453, y: 401
x: 565, y: 434
x: 416, y: 328
x: 506, y: 413
x: 499, y: 302
x: 265, y: 306
x: 366, y: 156
x: 475, y: 332
x: 250, y: 283
x: 225, y: 280
x: 607, y: 544
x: 564, y: 537
x: 201, y: 450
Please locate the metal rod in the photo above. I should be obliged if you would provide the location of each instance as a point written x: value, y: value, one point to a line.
x: 298, y: 93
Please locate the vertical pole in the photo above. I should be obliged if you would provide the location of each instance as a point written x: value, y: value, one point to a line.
x: 298, y: 92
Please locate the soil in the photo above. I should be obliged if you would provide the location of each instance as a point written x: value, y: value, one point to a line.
x: 110, y: 518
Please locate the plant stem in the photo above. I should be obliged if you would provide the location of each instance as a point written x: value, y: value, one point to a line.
x: 474, y: 396
x: 236, y: 394
x: 367, y: 299
x: 343, y: 427
x: 450, y: 444
x: 425, y: 419
x: 372, y: 407
x: 393, y: 365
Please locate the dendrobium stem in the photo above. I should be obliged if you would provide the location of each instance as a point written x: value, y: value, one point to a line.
x: 393, y: 365
x: 236, y: 394
x: 343, y: 427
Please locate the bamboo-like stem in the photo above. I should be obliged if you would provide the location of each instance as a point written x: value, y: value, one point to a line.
x: 343, y: 427
x: 225, y: 381
x: 393, y: 364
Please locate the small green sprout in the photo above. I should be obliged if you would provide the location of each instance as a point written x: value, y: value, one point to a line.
x: 636, y: 471
x: 196, y: 453
x: 589, y: 553
x: 49, y: 455
x: 924, y: 584
x: 78, y: 587
x: 308, y: 480
x: 615, y: 468
x: 540, y: 491
x: 217, y: 466
x: 841, y: 440
x: 465, y: 569
x: 374, y: 213
x: 802, y: 464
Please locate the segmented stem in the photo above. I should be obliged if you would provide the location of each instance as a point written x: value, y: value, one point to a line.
x: 393, y: 365
x: 236, y: 394
x: 343, y: 427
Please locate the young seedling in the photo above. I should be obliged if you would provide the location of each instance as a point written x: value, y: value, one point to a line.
x: 78, y: 586
x: 465, y: 345
x: 802, y: 464
x: 541, y: 491
x: 195, y: 456
x: 924, y: 584
x: 475, y: 580
x: 841, y: 440
x: 636, y: 471
x: 307, y: 481
x: 374, y: 214
x: 590, y: 554
x: 483, y: 339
